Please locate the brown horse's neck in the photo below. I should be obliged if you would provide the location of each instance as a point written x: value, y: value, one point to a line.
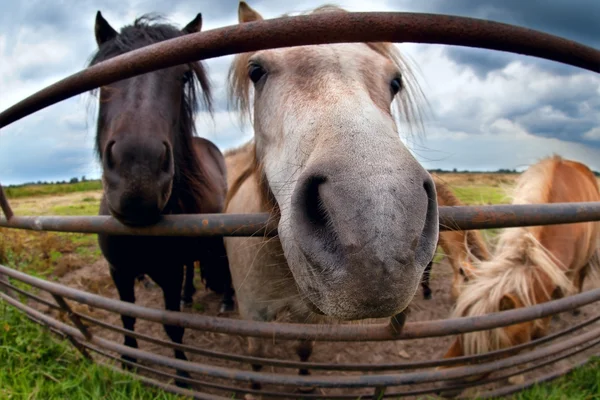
x: 254, y: 170
x: 474, y: 241
x: 190, y: 184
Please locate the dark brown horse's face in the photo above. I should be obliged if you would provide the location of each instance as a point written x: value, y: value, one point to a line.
x: 139, y: 123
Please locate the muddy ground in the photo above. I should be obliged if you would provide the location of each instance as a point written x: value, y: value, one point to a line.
x: 96, y: 279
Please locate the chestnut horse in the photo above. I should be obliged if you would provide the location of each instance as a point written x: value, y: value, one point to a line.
x: 152, y: 166
x: 356, y: 213
x: 460, y: 247
x: 535, y: 264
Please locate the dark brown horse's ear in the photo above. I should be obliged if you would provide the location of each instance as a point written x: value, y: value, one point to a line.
x: 247, y: 13
x: 194, y: 26
x: 104, y: 32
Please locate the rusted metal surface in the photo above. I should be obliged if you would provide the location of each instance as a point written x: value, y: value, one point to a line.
x: 172, y: 225
x: 370, y: 332
x: 374, y: 380
x: 451, y: 218
x: 312, y: 29
x: 72, y: 316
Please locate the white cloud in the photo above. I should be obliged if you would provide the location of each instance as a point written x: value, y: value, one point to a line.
x: 477, y: 121
x: 593, y: 134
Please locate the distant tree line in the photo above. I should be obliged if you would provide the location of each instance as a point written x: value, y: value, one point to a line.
x: 64, y: 182
x: 465, y: 171
x: 437, y: 171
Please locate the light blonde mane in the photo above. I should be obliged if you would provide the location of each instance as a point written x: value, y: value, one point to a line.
x: 518, y: 266
x: 407, y: 103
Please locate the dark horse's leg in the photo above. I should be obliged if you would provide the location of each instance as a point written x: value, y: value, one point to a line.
x: 145, y: 281
x: 171, y: 280
x: 215, y: 269
x: 188, y: 286
x: 304, y: 350
x: 425, y: 281
x: 124, y: 281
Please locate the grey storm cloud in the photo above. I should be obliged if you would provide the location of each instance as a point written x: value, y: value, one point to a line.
x: 575, y: 20
x: 58, y: 142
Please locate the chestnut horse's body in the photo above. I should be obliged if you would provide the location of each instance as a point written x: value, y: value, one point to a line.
x: 152, y: 166
x: 532, y: 265
x: 461, y: 248
x: 356, y: 214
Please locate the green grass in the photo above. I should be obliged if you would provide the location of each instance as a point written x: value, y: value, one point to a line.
x: 581, y: 384
x: 42, y: 190
x: 37, y: 365
x: 472, y: 195
x: 89, y: 207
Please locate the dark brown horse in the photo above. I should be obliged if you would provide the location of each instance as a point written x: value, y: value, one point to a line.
x: 153, y: 165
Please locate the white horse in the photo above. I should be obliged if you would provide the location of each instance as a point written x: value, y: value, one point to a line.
x: 357, y: 214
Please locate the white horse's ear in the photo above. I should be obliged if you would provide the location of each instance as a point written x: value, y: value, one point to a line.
x: 194, y: 26
x: 247, y: 13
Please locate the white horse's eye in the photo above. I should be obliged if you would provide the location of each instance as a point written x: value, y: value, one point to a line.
x: 396, y: 86
x: 256, y: 72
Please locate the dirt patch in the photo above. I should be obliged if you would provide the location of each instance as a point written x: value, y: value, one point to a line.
x: 95, y: 278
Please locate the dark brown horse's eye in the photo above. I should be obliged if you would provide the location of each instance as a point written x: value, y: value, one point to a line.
x: 396, y: 86
x: 256, y: 72
x: 187, y: 76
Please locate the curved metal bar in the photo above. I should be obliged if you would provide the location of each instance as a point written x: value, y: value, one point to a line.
x: 342, y: 367
x: 310, y: 381
x: 312, y: 29
x: 451, y: 218
x: 344, y: 332
x: 395, y: 394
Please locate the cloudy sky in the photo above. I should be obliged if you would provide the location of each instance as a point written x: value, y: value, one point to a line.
x: 488, y: 109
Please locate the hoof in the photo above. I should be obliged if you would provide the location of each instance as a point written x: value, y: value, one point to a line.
x: 576, y: 312
x: 225, y: 307
x: 181, y: 384
x: 126, y: 366
x: 306, y: 389
x: 448, y: 394
x: 427, y: 296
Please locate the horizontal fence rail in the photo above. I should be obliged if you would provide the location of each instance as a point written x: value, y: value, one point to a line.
x: 344, y: 332
x: 277, y: 33
x: 451, y: 218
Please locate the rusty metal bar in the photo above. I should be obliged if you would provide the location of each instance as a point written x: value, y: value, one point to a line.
x: 72, y: 316
x: 345, y: 367
x: 172, y: 225
x: 195, y: 381
x: 29, y: 295
x: 167, y: 387
x: 79, y: 347
x: 312, y: 29
x: 344, y: 332
x: 451, y: 218
x: 322, y: 381
x: 5, y: 286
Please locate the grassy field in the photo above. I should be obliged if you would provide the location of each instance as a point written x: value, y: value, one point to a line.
x: 36, y: 365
